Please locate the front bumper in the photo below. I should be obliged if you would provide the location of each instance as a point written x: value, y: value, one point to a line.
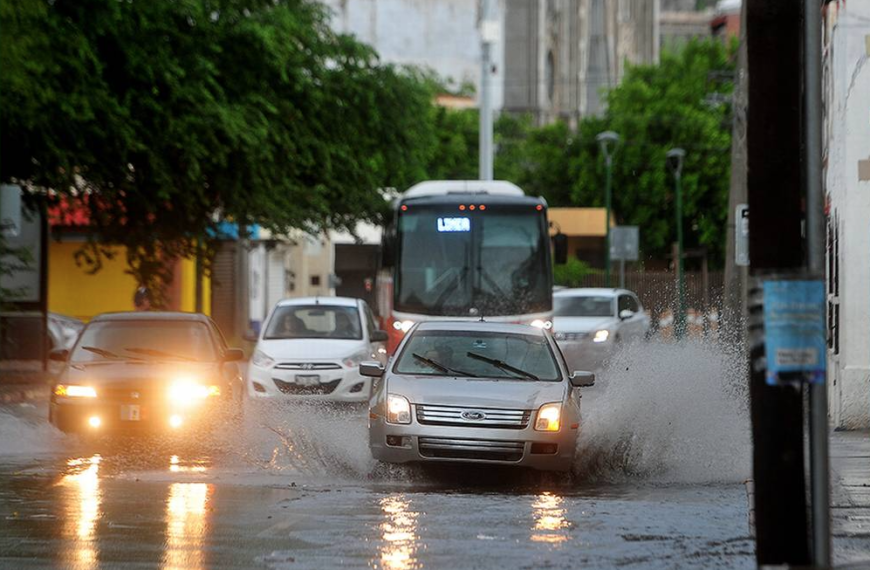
x: 74, y: 416
x: 417, y: 443
x: 339, y: 385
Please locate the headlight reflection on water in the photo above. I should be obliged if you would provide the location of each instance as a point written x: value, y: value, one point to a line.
x: 399, y: 549
x: 186, y: 526
x: 550, y: 524
x: 83, y: 510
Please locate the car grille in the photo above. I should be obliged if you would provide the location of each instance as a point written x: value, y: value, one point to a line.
x: 482, y: 449
x: 131, y: 394
x: 291, y: 388
x: 570, y: 335
x: 307, y: 366
x: 428, y: 414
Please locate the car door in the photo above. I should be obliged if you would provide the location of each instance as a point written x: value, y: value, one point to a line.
x: 377, y: 348
x: 630, y: 328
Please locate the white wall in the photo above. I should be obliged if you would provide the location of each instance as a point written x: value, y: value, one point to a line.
x: 440, y: 34
x: 848, y: 143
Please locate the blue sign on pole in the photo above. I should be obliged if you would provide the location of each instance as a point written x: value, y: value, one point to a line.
x: 794, y: 329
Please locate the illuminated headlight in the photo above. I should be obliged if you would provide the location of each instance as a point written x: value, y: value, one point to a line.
x: 354, y: 359
x: 72, y: 391
x: 601, y: 336
x: 403, y: 326
x: 398, y: 409
x: 538, y: 323
x: 549, y: 417
x: 262, y: 360
x: 186, y: 391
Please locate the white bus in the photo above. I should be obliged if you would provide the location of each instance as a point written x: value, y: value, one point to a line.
x: 466, y: 250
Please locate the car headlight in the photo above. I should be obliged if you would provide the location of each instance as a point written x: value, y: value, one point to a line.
x: 601, y: 336
x: 398, y: 409
x: 357, y: 357
x: 403, y: 326
x: 187, y: 391
x: 73, y: 391
x: 549, y: 417
x: 541, y: 324
x: 261, y: 359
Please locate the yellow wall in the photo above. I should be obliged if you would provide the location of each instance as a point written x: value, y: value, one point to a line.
x: 74, y: 292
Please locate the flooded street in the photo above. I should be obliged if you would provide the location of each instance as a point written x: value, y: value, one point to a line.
x: 659, y: 482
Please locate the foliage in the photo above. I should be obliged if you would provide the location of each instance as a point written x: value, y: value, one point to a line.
x: 571, y: 274
x: 655, y: 108
x: 163, y: 118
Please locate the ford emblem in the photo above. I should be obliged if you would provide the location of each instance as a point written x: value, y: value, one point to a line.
x: 473, y: 415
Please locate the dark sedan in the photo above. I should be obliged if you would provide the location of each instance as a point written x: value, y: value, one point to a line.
x: 147, y: 371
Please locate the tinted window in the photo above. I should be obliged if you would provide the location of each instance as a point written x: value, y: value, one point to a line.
x: 583, y: 306
x: 530, y: 353
x: 174, y: 340
x: 627, y: 302
x: 315, y: 321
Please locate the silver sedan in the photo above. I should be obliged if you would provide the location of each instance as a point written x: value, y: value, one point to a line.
x: 476, y: 392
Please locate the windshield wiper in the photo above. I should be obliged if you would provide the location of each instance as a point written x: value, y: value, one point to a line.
x: 502, y: 365
x: 108, y: 353
x: 159, y: 354
x: 101, y: 351
x: 441, y: 367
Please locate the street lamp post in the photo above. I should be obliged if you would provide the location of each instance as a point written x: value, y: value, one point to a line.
x: 605, y: 140
x: 675, y: 161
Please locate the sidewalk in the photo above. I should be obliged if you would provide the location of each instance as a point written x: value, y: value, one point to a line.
x: 850, y: 497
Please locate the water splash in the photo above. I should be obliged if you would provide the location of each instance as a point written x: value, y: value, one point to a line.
x: 669, y: 412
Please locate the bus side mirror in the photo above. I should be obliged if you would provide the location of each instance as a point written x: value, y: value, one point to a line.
x: 560, y: 249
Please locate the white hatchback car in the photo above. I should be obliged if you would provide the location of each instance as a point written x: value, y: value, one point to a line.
x: 311, y: 347
x: 588, y: 324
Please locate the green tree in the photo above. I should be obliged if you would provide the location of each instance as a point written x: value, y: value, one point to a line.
x: 164, y: 118
x: 655, y: 108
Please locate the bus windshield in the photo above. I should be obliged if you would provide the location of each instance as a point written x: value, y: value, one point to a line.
x: 462, y: 263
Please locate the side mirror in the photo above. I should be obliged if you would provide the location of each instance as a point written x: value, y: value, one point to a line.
x: 626, y: 314
x: 59, y: 355
x: 371, y: 368
x: 582, y: 379
x: 379, y: 336
x: 234, y: 355
x: 560, y: 249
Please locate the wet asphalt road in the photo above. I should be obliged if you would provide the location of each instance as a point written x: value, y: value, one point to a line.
x: 659, y: 484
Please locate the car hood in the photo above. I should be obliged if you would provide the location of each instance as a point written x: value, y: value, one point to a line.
x: 120, y: 373
x: 476, y: 392
x: 582, y: 324
x: 309, y: 348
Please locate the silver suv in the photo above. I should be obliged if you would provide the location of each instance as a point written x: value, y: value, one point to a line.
x: 476, y: 392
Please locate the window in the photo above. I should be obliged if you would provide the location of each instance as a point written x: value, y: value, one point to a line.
x: 627, y: 302
x: 474, y: 353
x: 371, y: 322
x: 315, y: 280
x: 314, y: 321
x: 585, y: 306
x: 139, y: 339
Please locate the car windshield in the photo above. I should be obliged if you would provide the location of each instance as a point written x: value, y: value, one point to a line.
x: 484, y: 354
x: 146, y: 340
x: 494, y: 262
x: 315, y: 321
x: 583, y: 306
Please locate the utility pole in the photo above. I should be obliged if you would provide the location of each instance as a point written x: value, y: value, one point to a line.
x: 605, y: 140
x: 675, y: 158
x: 774, y: 41
x: 818, y: 391
x: 489, y: 34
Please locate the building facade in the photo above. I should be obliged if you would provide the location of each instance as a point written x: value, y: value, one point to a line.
x: 441, y: 35
x: 846, y: 163
x: 562, y: 55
